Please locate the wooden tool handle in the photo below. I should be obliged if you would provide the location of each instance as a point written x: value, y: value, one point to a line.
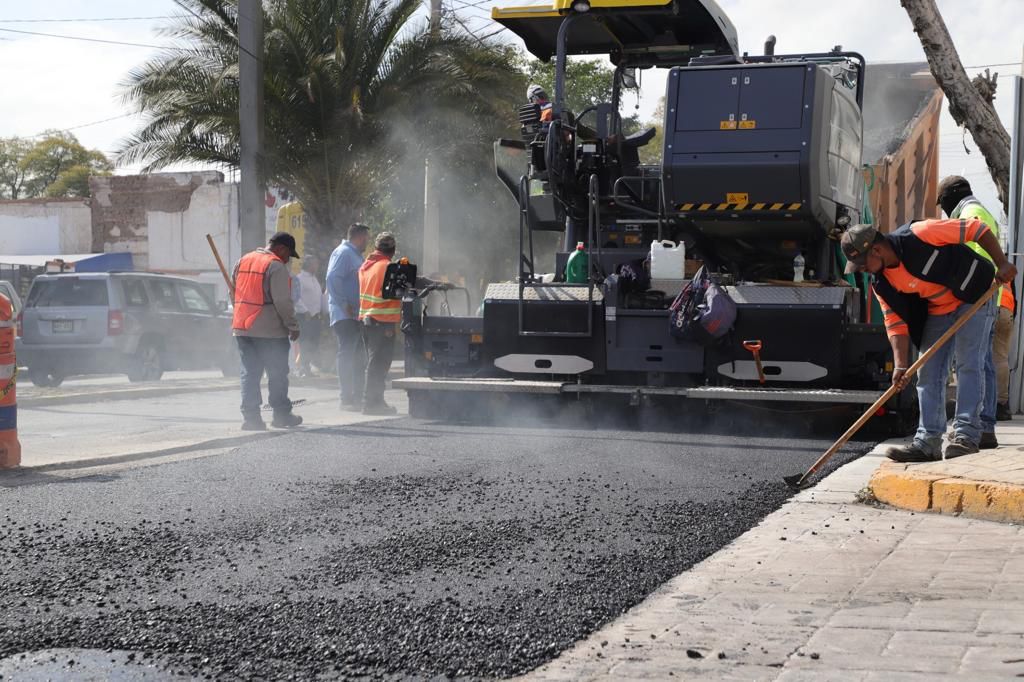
x: 220, y: 264
x: 911, y: 371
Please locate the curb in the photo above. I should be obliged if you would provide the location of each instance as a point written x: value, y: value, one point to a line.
x: 905, y: 487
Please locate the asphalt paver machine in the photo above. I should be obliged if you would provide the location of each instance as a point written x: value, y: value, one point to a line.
x: 760, y: 174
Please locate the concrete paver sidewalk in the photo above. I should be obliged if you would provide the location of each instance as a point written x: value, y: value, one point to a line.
x: 987, y: 485
x: 827, y: 588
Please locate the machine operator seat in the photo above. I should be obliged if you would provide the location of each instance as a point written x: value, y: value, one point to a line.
x: 630, y: 150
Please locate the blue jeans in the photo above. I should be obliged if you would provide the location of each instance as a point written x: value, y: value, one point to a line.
x: 967, y: 349
x: 988, y: 406
x: 264, y: 355
x: 351, y: 359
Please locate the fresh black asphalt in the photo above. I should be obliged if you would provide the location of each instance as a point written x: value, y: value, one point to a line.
x: 400, y: 549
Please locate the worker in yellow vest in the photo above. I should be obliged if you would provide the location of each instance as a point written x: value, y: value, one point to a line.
x: 263, y: 323
x: 958, y: 201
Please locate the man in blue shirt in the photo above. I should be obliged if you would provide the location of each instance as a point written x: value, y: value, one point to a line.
x: 343, y: 300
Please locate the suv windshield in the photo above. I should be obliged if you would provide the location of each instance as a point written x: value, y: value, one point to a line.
x: 68, y: 291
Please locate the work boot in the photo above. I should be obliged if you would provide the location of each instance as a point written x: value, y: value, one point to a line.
x: 381, y: 409
x: 1003, y: 413
x: 286, y: 421
x: 351, y: 405
x: 988, y: 441
x: 909, y: 453
x: 959, y: 446
x: 254, y: 425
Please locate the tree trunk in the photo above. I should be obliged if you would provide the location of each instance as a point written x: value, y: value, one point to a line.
x: 966, y: 103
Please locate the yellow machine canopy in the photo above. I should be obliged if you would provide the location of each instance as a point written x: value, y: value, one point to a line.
x: 637, y: 32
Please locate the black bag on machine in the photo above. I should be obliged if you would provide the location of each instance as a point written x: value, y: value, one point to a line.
x: 703, y: 312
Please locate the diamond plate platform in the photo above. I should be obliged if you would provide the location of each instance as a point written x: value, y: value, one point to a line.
x: 549, y: 293
x: 766, y: 294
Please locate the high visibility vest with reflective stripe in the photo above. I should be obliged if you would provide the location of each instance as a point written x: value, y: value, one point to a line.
x: 249, y: 297
x: 969, y: 208
x: 371, y: 286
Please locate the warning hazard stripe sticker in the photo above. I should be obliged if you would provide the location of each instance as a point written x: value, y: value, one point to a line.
x: 745, y: 206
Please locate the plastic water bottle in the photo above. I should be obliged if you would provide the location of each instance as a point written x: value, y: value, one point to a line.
x: 576, y: 266
x: 798, y: 268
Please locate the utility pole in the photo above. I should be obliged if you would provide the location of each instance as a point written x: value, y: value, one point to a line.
x: 431, y: 200
x: 252, y: 188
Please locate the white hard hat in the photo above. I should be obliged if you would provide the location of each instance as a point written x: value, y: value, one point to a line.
x: 535, y: 91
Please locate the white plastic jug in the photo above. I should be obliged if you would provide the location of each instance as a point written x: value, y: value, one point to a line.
x: 668, y: 260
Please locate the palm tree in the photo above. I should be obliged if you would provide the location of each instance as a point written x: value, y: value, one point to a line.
x: 346, y: 83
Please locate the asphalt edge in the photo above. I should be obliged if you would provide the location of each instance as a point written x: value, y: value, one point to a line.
x: 158, y: 391
x: 904, y: 487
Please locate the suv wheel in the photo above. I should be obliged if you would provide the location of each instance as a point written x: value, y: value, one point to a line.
x: 44, y: 377
x: 147, y: 363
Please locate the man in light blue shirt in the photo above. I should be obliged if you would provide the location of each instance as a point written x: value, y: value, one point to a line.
x: 343, y: 302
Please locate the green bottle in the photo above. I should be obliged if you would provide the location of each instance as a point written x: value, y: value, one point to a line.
x: 576, y: 266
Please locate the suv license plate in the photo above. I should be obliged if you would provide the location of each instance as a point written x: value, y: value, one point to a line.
x: 63, y: 326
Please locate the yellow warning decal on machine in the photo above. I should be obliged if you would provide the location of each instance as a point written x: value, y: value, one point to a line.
x: 737, y: 197
x: 727, y: 125
x: 732, y: 205
x: 748, y: 125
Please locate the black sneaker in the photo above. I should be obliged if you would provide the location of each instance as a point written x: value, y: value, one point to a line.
x: 1003, y: 413
x: 960, y: 446
x: 909, y: 453
x: 286, y: 421
x: 254, y: 425
x: 988, y: 441
x: 380, y: 410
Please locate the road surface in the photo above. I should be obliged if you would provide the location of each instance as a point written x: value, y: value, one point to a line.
x: 387, y: 548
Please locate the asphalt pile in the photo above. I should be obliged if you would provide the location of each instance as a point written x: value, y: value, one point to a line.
x: 447, y: 552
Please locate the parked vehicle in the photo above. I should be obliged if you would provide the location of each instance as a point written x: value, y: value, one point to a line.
x: 133, y: 323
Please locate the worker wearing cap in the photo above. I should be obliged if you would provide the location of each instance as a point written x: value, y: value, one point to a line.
x: 535, y: 95
x: 958, y: 201
x: 380, y: 318
x: 263, y: 323
x: 926, y: 278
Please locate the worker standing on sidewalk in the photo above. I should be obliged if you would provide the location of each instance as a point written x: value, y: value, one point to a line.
x: 263, y: 322
x: 343, y: 303
x: 925, y: 279
x: 958, y: 201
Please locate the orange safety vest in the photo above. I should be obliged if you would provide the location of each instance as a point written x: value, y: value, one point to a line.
x: 371, y: 287
x: 249, y: 298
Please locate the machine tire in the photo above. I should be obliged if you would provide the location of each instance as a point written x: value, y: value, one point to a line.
x: 147, y: 365
x: 44, y: 377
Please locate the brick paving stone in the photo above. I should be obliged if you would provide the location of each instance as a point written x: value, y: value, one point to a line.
x: 913, y: 597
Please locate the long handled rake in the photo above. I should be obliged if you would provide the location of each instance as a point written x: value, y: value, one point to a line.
x: 799, y: 481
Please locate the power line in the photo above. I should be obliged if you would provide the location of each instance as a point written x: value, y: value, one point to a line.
x: 81, y: 20
x: 109, y: 42
x: 92, y: 40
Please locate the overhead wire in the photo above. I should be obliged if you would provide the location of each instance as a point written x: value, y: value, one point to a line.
x: 84, y: 19
x: 92, y: 40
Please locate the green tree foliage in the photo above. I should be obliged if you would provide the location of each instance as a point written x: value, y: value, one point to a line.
x: 12, y: 175
x: 650, y: 153
x: 355, y: 91
x: 57, y: 165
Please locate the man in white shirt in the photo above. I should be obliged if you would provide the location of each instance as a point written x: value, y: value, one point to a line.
x: 309, y: 308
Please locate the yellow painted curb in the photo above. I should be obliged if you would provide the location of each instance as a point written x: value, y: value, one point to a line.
x: 901, y: 486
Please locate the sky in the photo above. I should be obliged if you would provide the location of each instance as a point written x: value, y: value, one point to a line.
x: 74, y: 84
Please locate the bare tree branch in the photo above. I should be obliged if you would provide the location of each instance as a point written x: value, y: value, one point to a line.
x: 969, y: 103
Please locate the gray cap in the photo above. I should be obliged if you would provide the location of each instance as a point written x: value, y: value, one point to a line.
x: 535, y: 91
x: 385, y: 241
x: 856, y: 242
